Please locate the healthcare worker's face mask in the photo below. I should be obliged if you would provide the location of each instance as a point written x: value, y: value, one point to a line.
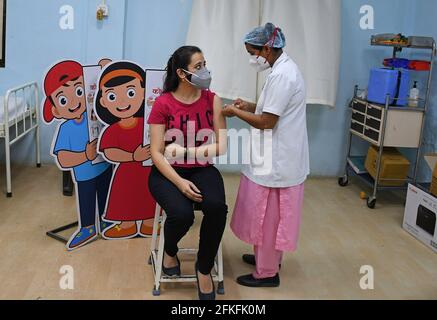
x: 259, y: 63
x: 200, y: 79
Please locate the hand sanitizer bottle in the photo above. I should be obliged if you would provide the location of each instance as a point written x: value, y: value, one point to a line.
x: 414, y: 96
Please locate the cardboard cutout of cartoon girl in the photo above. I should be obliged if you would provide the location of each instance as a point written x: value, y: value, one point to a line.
x: 65, y: 101
x: 120, y: 104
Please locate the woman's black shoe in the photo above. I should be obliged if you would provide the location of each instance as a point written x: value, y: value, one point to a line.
x: 204, y: 296
x: 250, y: 281
x: 249, y: 259
x: 173, y: 271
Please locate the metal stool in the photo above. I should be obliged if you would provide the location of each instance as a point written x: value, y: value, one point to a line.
x: 157, y: 255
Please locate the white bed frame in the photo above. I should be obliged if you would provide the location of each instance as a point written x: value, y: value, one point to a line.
x: 22, y: 123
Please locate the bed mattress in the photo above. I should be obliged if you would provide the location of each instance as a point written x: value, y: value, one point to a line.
x: 15, y: 109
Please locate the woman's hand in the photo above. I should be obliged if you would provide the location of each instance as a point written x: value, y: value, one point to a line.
x: 142, y: 153
x: 174, y: 151
x: 150, y: 102
x: 189, y: 190
x: 229, y: 110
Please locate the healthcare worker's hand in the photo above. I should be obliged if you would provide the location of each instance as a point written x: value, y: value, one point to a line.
x: 190, y: 190
x: 241, y: 104
x: 229, y: 110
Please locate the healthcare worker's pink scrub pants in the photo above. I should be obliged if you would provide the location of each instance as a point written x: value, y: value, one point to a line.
x: 269, y: 219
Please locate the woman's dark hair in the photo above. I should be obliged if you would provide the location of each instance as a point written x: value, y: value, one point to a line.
x: 103, y: 112
x: 180, y: 59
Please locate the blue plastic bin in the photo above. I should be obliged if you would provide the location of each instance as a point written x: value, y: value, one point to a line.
x: 383, y: 81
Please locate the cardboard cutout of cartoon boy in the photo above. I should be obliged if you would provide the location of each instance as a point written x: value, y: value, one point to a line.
x: 65, y: 101
x: 120, y: 104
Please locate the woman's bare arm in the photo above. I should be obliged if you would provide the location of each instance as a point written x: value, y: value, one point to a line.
x: 220, y: 146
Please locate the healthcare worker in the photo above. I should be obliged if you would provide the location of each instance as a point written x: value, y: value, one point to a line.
x: 268, y: 208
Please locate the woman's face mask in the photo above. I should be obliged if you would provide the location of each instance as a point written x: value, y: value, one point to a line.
x: 200, y: 79
x: 259, y: 63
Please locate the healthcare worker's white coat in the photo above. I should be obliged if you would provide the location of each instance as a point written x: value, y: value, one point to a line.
x: 283, y: 160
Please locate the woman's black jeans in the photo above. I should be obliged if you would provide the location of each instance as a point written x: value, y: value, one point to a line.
x: 180, y: 213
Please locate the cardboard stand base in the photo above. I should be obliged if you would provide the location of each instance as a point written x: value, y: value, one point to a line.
x: 67, y: 190
x: 54, y: 233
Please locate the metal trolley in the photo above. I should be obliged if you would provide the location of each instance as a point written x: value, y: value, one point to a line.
x: 381, y: 125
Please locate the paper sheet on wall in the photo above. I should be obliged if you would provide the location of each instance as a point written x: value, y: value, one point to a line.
x: 91, y: 76
x: 154, y: 88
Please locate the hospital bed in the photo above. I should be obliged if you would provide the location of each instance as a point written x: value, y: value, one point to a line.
x: 19, y: 117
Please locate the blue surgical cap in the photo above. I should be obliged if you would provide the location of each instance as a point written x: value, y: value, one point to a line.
x: 267, y: 35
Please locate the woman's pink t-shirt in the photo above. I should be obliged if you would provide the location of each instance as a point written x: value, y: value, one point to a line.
x: 192, y: 121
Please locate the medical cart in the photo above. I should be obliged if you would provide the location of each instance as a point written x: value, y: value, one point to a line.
x: 385, y: 125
